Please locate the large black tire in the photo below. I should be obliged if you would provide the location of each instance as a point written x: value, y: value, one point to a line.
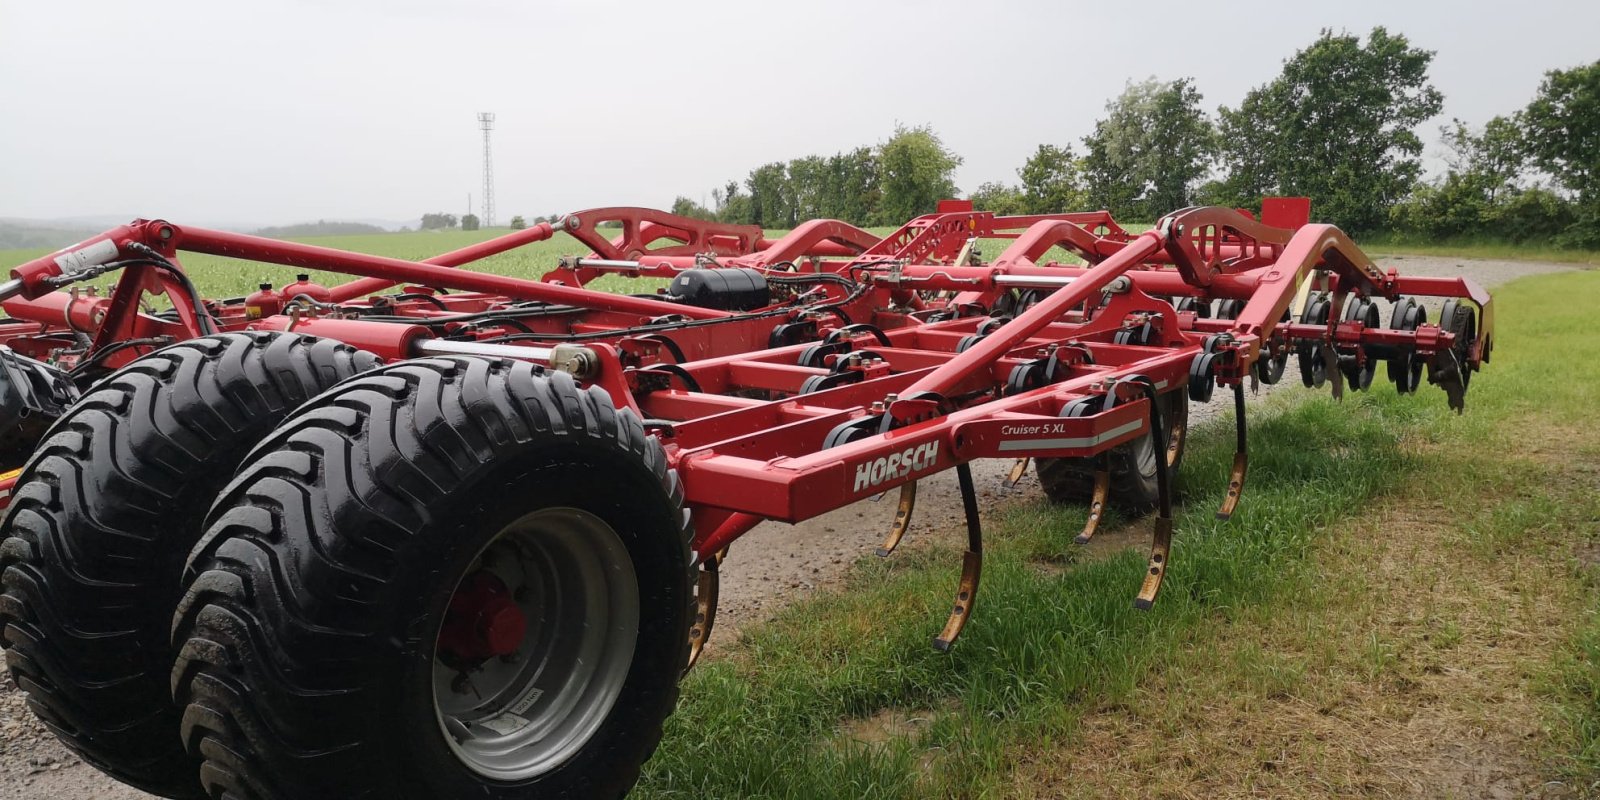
x: 105, y: 515
x: 313, y: 620
x: 1133, y: 465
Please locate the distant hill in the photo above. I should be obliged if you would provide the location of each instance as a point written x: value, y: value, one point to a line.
x: 19, y: 233
x: 321, y: 227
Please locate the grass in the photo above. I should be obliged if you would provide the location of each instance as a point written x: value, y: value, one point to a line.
x: 840, y: 695
x: 219, y: 277
x: 225, y: 277
x: 1388, y: 244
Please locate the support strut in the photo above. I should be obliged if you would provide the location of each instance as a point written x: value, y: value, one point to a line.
x: 971, y: 565
x: 1241, y: 457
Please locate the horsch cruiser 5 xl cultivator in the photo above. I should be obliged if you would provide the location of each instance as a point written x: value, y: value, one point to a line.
x: 442, y: 533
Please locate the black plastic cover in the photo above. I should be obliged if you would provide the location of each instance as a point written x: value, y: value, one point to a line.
x: 32, y: 395
x: 727, y: 289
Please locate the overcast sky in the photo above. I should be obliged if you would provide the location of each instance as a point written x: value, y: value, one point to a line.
x: 277, y: 111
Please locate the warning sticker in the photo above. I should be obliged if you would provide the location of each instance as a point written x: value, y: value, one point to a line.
x: 505, y: 724
x: 90, y: 255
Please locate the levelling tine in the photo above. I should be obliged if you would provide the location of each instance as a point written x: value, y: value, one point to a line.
x: 1018, y: 470
x: 971, y: 565
x: 1097, y: 501
x: 902, y: 519
x: 1161, y: 541
x: 705, y: 608
x: 1241, y: 457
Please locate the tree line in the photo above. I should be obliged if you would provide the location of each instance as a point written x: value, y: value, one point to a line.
x: 1337, y: 124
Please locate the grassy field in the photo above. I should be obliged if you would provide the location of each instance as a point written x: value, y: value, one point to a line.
x: 1399, y: 580
x: 1467, y: 248
x: 225, y: 277
x: 219, y: 277
x: 222, y: 277
x: 1426, y: 581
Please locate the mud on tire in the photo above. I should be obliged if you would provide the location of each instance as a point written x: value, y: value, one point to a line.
x: 1133, y: 476
x: 104, y: 515
x: 324, y: 601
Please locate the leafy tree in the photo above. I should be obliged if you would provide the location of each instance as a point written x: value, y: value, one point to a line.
x: 999, y: 198
x: 684, y: 207
x: 1563, y: 129
x: 469, y: 222
x: 1052, y: 181
x: 915, y: 171
x: 1493, y: 158
x: 438, y: 221
x: 518, y: 223
x: 771, y: 197
x: 1338, y: 125
x: 853, y: 193
x: 808, y: 187
x: 1485, y: 167
x: 1563, y: 139
x: 733, y: 205
x: 1147, y: 157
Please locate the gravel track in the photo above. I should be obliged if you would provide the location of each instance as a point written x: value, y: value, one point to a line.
x: 767, y: 569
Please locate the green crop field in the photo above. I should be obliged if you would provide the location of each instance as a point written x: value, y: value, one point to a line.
x: 219, y: 277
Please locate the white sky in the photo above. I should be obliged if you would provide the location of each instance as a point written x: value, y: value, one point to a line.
x: 278, y: 111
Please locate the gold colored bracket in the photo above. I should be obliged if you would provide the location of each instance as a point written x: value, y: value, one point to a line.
x: 961, y: 611
x: 1241, y: 458
x: 1097, y: 502
x: 1018, y: 470
x: 1160, y: 549
x: 705, y: 608
x: 971, y: 565
x: 902, y: 519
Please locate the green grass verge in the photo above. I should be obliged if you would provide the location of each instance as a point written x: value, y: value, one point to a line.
x: 1048, y: 645
x: 1389, y: 244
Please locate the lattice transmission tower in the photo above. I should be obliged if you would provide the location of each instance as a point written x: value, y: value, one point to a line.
x: 486, y: 122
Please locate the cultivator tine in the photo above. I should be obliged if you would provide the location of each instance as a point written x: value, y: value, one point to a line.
x: 1241, y: 457
x: 1097, y: 500
x: 1018, y: 470
x: 705, y: 608
x: 971, y: 565
x: 902, y: 519
x: 1161, y: 540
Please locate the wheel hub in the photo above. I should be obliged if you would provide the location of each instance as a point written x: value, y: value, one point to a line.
x: 483, y: 620
x: 535, y: 644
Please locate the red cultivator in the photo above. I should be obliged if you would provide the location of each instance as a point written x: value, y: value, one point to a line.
x: 461, y: 537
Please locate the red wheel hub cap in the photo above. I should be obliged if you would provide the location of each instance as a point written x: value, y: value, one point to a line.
x: 484, y: 620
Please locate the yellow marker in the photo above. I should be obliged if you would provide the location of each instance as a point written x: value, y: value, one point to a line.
x: 6, y: 476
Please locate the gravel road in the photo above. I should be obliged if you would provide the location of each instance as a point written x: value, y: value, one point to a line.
x: 770, y: 567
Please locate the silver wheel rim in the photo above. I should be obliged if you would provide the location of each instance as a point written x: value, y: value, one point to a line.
x: 520, y: 715
x: 1145, y: 446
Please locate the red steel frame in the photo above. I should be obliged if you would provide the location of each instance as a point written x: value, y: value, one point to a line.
x: 915, y: 376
